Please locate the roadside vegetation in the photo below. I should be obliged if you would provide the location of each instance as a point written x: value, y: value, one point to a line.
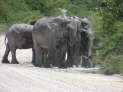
x: 3, y: 28
x: 106, y: 17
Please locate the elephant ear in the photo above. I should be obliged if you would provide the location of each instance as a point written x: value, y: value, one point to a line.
x: 85, y: 24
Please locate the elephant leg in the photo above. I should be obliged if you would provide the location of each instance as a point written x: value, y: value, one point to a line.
x: 55, y: 58
x: 5, y: 57
x: 90, y: 64
x: 46, y: 59
x: 38, y: 57
x: 70, y: 58
x: 33, y: 55
x: 84, y: 62
x: 51, y: 58
x: 37, y: 53
x: 43, y: 56
x: 14, y: 59
x: 69, y: 62
x: 63, y: 59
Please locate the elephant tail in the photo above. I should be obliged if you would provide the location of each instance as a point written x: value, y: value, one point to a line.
x: 5, y: 39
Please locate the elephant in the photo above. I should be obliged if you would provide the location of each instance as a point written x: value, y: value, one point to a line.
x: 56, y: 37
x: 50, y: 38
x: 19, y: 36
x: 73, y: 46
x: 80, y: 52
x: 87, y: 37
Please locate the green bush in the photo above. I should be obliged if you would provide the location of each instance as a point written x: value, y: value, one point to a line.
x: 77, y: 10
x: 20, y: 12
x: 46, y: 6
x: 96, y: 25
x: 113, y: 64
x: 23, y: 17
x: 4, y: 9
x: 18, y: 5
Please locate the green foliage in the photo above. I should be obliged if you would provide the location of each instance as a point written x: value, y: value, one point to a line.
x: 96, y: 23
x: 113, y: 64
x: 46, y: 6
x: 53, y: 5
x: 25, y: 10
x: 20, y: 12
x: 4, y: 8
x: 77, y: 10
x: 17, y: 5
x: 110, y: 37
x: 22, y: 16
x: 36, y: 5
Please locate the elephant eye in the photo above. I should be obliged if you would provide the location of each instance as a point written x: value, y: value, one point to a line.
x: 85, y: 25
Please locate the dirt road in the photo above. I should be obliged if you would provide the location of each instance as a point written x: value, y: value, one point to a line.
x: 27, y: 78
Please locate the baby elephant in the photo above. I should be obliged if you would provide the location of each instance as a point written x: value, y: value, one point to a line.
x: 19, y: 36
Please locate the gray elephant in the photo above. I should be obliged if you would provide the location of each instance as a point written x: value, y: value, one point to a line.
x: 80, y: 52
x: 19, y: 36
x: 87, y: 37
x: 73, y: 46
x: 50, y: 37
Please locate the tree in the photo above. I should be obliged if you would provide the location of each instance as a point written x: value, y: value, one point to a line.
x: 111, y: 34
x: 4, y: 8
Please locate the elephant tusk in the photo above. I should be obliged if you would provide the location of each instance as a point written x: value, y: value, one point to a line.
x: 66, y: 56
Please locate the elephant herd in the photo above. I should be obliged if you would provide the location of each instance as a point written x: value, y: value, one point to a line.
x: 55, y: 41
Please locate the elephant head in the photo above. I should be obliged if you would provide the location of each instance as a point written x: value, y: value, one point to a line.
x: 86, y: 30
x: 87, y: 37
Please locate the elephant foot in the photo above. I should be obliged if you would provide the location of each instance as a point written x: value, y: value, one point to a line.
x: 68, y: 65
x: 37, y: 64
x: 33, y: 62
x: 14, y: 62
x: 62, y: 66
x: 5, y: 61
x: 88, y: 65
x: 46, y: 65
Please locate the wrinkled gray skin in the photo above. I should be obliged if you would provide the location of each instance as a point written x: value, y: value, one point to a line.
x: 73, y: 42
x: 53, y: 39
x: 87, y: 42
x: 19, y: 36
x: 50, y: 40
x: 80, y: 52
